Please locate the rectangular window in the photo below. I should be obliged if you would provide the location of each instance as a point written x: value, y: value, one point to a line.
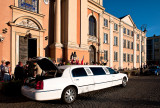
x: 79, y: 72
x: 115, y: 41
x: 128, y: 32
x: 132, y: 34
x: 137, y: 36
x: 105, y: 38
x: 115, y: 26
x: 128, y: 57
x: 137, y: 58
x: 105, y: 55
x: 124, y: 57
x: 30, y: 5
x: 156, y: 40
x: 137, y: 47
x: 124, y: 30
x: 131, y: 45
x: 97, y: 71
x: 142, y: 48
x: 128, y: 44
x: 115, y: 56
x: 142, y: 38
x: 132, y: 58
x: 105, y: 22
x: 124, y: 43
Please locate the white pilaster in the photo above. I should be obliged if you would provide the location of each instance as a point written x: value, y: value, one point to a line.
x: 111, y: 43
x: 121, y: 45
x: 135, y: 48
x: 58, y: 23
x: 72, y: 23
x: 140, y: 49
x: 145, y: 49
x: 84, y: 24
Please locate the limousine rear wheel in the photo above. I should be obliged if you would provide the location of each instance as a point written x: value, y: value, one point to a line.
x: 124, y: 82
x: 69, y: 95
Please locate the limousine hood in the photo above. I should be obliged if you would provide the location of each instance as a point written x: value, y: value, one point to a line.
x: 46, y: 64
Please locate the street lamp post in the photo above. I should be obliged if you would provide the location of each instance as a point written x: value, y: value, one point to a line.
x: 143, y: 29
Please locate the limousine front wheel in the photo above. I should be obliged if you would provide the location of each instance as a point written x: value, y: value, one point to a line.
x: 124, y: 82
x: 69, y: 95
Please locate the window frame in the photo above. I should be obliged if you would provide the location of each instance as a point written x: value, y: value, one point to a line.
x: 91, y: 68
x: 105, y: 55
x: 105, y: 22
x: 112, y: 70
x: 128, y: 57
x: 115, y: 41
x: 115, y: 27
x: 124, y: 30
x: 137, y: 47
x: 92, y: 26
x: 124, y: 57
x: 128, y: 32
x: 79, y: 68
x: 105, y: 38
x: 115, y: 56
x: 36, y: 5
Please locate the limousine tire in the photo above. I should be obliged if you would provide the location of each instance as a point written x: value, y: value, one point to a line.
x: 69, y: 95
x: 124, y: 82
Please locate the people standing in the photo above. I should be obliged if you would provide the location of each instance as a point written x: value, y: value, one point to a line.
x: 19, y: 71
x: 1, y: 72
x: 7, y: 72
x: 37, y: 70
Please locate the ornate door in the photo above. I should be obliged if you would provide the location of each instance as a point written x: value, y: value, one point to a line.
x: 23, y: 49
x: 92, y: 55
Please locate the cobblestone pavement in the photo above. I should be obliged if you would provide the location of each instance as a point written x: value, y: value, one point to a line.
x: 141, y: 92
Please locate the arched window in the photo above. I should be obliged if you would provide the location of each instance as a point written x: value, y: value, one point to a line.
x: 92, y: 26
x: 31, y: 5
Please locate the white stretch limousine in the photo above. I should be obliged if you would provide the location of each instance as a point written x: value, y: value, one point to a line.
x: 66, y: 82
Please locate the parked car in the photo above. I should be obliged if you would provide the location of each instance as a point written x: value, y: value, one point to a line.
x: 66, y: 82
x: 154, y: 70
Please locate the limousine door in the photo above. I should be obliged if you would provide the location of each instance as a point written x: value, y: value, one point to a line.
x: 108, y: 78
x: 99, y: 77
x: 115, y: 77
x: 84, y: 82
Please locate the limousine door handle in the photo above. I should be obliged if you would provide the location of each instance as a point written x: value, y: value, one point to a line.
x: 77, y: 79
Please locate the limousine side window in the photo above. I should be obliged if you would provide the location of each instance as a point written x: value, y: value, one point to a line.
x: 111, y: 71
x: 79, y: 72
x: 98, y: 71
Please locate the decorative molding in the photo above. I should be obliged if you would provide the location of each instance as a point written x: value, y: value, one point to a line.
x: 28, y: 23
x: 96, y: 4
x: 20, y: 9
x: 92, y: 39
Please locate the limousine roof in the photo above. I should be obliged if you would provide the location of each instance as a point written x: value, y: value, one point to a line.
x: 75, y: 66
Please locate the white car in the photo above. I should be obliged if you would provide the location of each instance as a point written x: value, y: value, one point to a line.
x: 66, y: 82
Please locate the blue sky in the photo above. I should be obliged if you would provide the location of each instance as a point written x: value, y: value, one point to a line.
x: 141, y: 11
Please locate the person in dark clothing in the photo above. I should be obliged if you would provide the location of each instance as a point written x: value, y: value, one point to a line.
x: 19, y: 72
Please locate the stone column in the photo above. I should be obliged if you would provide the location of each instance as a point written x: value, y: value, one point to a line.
x: 140, y: 49
x: 58, y: 23
x: 145, y: 49
x: 121, y: 45
x: 134, y: 46
x: 111, y: 42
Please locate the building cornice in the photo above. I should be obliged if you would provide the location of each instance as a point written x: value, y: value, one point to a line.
x: 96, y: 4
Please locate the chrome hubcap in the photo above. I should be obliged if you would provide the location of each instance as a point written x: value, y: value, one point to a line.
x: 70, y: 95
x: 124, y: 82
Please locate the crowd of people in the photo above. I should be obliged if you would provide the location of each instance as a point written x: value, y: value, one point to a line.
x: 20, y: 72
x: 30, y: 69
